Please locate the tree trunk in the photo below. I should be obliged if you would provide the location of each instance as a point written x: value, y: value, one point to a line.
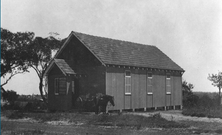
x: 2, y: 89
x: 220, y: 96
x: 41, y: 91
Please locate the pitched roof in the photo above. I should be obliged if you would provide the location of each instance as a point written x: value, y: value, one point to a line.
x: 64, y: 66
x: 117, y: 52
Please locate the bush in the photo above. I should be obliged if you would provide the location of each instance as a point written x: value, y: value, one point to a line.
x: 28, y: 132
x: 206, y: 102
x: 10, y: 96
x: 13, y: 114
x: 203, y: 112
x: 127, y: 120
x: 203, y: 106
x: 191, y: 101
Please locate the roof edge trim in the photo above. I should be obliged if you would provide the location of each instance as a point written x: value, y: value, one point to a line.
x: 182, y: 70
x: 49, y: 67
x: 64, y: 45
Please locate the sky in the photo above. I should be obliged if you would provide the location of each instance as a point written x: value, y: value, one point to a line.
x: 189, y: 32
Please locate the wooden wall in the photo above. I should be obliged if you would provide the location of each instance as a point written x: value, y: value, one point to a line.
x: 61, y: 101
x: 138, y: 96
x: 94, y: 82
x: 115, y: 83
x: 115, y: 86
x: 177, y: 87
x: 159, y: 90
x: 84, y: 63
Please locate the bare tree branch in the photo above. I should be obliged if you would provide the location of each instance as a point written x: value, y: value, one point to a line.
x: 10, y: 77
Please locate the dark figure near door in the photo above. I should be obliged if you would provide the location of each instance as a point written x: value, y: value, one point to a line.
x: 101, y: 101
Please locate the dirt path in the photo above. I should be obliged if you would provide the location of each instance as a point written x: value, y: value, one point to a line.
x: 176, y: 115
x: 202, y: 124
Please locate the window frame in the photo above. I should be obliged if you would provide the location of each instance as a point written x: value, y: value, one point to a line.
x: 57, y: 85
x: 73, y: 87
x: 130, y: 82
x: 150, y: 77
x: 168, y: 78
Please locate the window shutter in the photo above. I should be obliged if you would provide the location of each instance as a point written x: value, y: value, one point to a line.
x: 56, y: 86
x: 128, y: 82
x: 73, y: 87
x: 62, y: 86
x: 149, y: 83
x: 168, y: 84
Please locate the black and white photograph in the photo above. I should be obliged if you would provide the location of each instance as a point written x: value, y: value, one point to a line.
x: 111, y: 67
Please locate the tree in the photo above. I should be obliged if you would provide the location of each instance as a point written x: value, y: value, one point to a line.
x: 216, y: 80
x: 14, y: 54
x: 187, y: 88
x: 9, y: 96
x: 189, y: 99
x: 40, y: 54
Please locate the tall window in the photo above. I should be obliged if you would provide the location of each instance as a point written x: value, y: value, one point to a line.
x: 60, y: 86
x: 168, y: 84
x: 149, y: 83
x: 127, y: 82
x: 73, y: 87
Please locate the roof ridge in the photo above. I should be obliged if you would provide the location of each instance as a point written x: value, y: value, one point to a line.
x: 113, y: 39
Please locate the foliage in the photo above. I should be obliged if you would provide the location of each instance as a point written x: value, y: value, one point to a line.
x: 216, y: 80
x: 203, y: 112
x: 187, y: 88
x: 28, y: 132
x: 10, y: 96
x: 123, y: 120
x: 22, y: 50
x: 205, y: 107
x: 128, y: 120
x: 189, y: 99
x: 40, y: 54
x: 200, y: 106
x: 14, y: 53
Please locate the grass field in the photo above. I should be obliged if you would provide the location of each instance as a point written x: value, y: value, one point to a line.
x: 17, y: 122
x: 203, y: 112
x: 120, y: 120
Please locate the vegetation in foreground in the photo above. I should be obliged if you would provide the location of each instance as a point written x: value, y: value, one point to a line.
x: 201, y: 112
x: 26, y: 132
x: 203, y: 106
x: 119, y: 120
x: 122, y: 122
x: 200, y: 104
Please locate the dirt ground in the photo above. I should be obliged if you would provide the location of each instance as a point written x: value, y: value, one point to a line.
x: 176, y: 115
x: 201, y: 124
x: 204, y: 126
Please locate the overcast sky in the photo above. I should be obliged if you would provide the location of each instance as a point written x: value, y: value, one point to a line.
x: 188, y: 31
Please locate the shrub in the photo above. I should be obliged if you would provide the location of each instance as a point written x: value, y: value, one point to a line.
x: 202, y: 106
x: 135, y: 121
x: 191, y: 101
x: 201, y: 112
x: 9, y: 96
x: 14, y: 114
x: 28, y: 132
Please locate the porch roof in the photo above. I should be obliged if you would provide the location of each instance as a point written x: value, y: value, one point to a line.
x: 64, y: 66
